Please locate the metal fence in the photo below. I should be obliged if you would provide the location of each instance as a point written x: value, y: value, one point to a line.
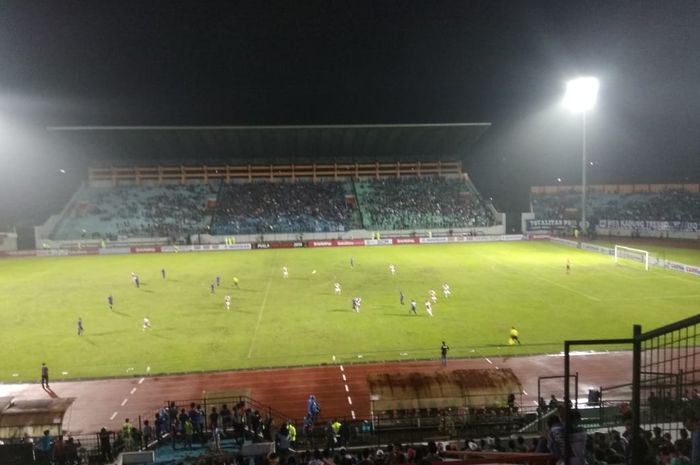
x: 665, y: 388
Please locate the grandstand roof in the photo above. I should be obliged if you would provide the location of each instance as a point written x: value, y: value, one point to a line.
x: 192, y: 144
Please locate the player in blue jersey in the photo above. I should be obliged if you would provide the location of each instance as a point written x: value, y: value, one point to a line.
x: 110, y: 301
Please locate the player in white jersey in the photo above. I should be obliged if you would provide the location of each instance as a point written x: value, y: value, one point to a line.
x: 359, y: 302
x: 429, y: 307
x: 392, y: 269
x: 433, y: 295
x: 146, y: 323
x: 446, y: 290
x: 337, y: 289
x: 285, y: 273
x: 227, y: 302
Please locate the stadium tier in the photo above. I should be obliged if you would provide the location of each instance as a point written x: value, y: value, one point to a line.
x: 283, y: 208
x: 669, y: 205
x: 284, y: 205
x: 136, y: 211
x: 421, y: 203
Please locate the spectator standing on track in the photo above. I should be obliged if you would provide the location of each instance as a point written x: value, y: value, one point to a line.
x: 692, y: 424
x: 443, y: 353
x: 292, y: 433
x: 105, y: 446
x: 44, y: 376
x: 44, y: 448
x: 189, y: 433
x: 146, y: 433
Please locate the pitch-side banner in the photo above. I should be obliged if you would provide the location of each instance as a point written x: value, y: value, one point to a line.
x: 405, y: 240
x: 337, y: 243
x: 682, y: 226
x: 547, y: 225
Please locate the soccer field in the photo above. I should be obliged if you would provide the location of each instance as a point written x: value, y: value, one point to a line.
x: 296, y: 321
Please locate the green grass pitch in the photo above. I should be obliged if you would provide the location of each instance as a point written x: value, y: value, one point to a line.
x: 299, y: 320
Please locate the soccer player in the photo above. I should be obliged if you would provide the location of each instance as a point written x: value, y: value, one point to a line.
x: 446, y: 290
x: 513, y: 336
x: 568, y: 266
x: 146, y: 323
x: 218, y: 281
x: 337, y: 289
x: 359, y: 302
x: 433, y: 295
x: 401, y: 297
x: 413, y: 306
x: 392, y: 269
x: 352, y: 262
x: 429, y: 307
x: 235, y: 282
x: 110, y: 301
x: 285, y: 273
x: 162, y: 272
x: 443, y: 353
x: 227, y: 302
x: 354, y: 304
x: 137, y: 281
x: 211, y: 288
x: 80, y: 326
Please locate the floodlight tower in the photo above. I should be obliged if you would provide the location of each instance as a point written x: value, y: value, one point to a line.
x: 581, y: 95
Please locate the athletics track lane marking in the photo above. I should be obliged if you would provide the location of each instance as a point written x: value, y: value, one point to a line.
x: 347, y: 388
x: 126, y: 399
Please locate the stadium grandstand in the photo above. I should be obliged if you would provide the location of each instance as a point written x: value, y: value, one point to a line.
x: 173, y: 203
x: 400, y: 182
x: 672, y: 210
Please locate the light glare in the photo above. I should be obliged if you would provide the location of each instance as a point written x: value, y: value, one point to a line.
x: 581, y: 94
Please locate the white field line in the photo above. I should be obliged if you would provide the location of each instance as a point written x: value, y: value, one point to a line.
x: 514, y: 270
x: 668, y: 297
x: 260, y: 314
x: 570, y: 289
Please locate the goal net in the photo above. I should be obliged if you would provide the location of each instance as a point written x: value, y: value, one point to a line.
x: 628, y: 253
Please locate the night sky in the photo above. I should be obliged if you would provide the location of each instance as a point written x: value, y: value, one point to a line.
x: 329, y: 62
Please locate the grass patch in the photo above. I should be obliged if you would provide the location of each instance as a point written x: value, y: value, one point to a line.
x: 299, y: 320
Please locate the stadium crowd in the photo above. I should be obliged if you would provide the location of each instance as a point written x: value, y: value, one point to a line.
x: 180, y: 427
x: 428, y: 202
x: 137, y: 211
x: 656, y: 206
x: 282, y: 208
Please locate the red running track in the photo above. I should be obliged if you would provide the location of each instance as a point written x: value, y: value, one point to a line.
x: 341, y: 389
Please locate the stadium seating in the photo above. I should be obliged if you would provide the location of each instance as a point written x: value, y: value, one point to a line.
x: 136, y: 211
x: 661, y: 206
x: 283, y: 208
x: 421, y: 203
x: 176, y: 211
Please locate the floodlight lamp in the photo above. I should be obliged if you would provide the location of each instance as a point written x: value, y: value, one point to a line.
x: 581, y: 94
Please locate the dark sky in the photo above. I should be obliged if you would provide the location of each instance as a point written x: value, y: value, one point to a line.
x: 331, y: 62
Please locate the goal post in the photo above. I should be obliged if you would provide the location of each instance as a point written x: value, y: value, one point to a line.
x: 629, y: 253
